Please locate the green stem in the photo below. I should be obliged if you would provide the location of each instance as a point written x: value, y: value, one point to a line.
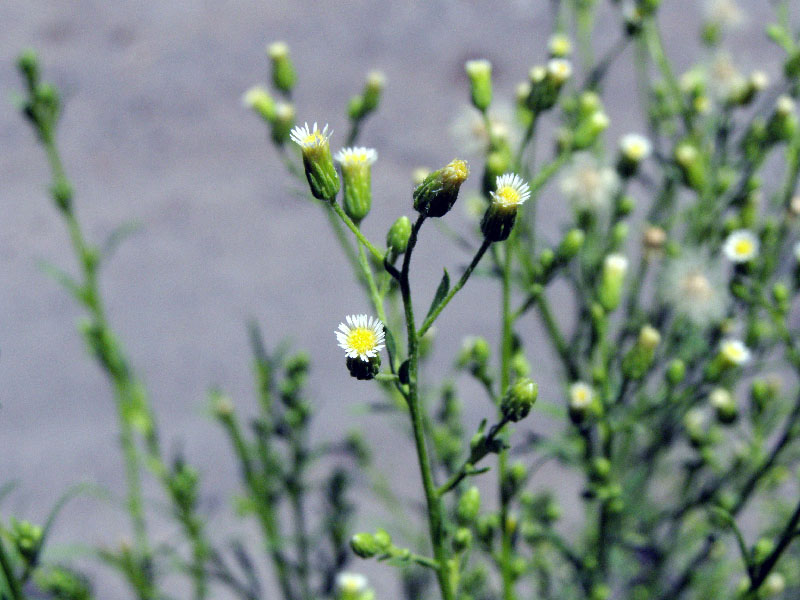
x: 354, y: 228
x: 8, y: 572
x: 505, y: 377
x: 435, y: 513
x: 455, y: 289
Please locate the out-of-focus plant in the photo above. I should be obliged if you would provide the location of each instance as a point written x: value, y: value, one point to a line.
x: 676, y: 406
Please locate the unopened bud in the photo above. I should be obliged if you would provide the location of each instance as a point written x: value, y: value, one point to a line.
x: 480, y: 79
x: 283, y: 75
x: 398, y: 235
x: 519, y: 400
x: 437, y: 193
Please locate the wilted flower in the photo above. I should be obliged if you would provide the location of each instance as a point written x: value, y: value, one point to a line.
x: 469, y: 131
x: 588, y: 185
x: 694, y: 285
x: 741, y: 246
x: 726, y: 14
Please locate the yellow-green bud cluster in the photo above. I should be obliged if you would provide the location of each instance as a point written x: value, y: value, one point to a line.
x: 480, y: 82
x: 438, y: 192
x: 546, y: 83
x: 518, y: 400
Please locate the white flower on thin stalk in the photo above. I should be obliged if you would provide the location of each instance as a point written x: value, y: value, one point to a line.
x: 694, y: 286
x: 741, y: 246
x: 635, y: 147
x: 581, y: 395
x: 511, y: 190
x: 588, y: 185
x: 468, y: 130
x: 361, y: 337
x: 734, y: 351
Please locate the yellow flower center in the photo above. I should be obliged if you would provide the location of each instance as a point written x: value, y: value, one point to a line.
x: 456, y: 172
x: 635, y: 150
x: 743, y: 247
x: 733, y: 352
x: 313, y: 139
x: 361, y: 340
x: 507, y: 196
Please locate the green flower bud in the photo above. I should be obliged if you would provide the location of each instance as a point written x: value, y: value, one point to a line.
x: 571, y: 244
x: 27, y: 539
x: 692, y: 165
x: 437, y: 193
x: 519, y: 400
x: 504, y: 202
x: 640, y: 357
x: 28, y: 65
x: 480, y: 80
x: 283, y: 123
x: 364, y: 370
x: 469, y: 505
x: 601, y: 469
x: 515, y: 477
x: 462, y: 539
x: 588, y: 130
x: 398, y: 235
x: 724, y: 405
x: 559, y: 46
x: 259, y: 101
x: 365, y: 545
x: 762, y: 549
x: 317, y: 160
x: 383, y: 539
x: 356, y: 164
x: 373, y: 89
x: 615, y: 266
x: 283, y: 75
x: 497, y: 163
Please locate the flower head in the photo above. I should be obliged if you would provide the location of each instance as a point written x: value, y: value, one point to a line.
x: 309, y: 138
x: 470, y: 134
x: 511, y: 190
x: 362, y: 337
x: 724, y: 13
x: 351, y: 583
x: 559, y: 70
x: 580, y: 395
x: 317, y: 161
x: 741, y: 246
x: 734, y: 351
x: 694, y: 285
x: 588, y: 185
x: 635, y: 147
x: 356, y: 156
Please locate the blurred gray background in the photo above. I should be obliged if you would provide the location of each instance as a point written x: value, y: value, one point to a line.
x: 154, y: 133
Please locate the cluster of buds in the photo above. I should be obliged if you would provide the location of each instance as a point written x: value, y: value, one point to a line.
x: 545, y: 83
x: 279, y: 115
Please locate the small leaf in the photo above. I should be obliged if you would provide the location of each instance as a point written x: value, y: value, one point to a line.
x: 64, y: 279
x: 391, y: 347
x: 441, y: 292
x: 119, y: 235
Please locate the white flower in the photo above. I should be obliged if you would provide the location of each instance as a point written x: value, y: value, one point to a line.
x: 356, y: 156
x: 310, y: 137
x: 587, y: 185
x: 785, y: 105
x: 361, y: 337
x: 511, y: 190
x: 734, y: 351
x: 559, y: 70
x: 351, y: 584
x: 278, y: 50
x: 635, y: 147
x: 580, y: 395
x: 694, y: 285
x: 255, y: 95
x: 741, y: 246
x: 694, y: 420
x: 478, y: 68
x: 469, y: 133
x: 559, y: 45
x: 720, y: 398
x: 615, y: 265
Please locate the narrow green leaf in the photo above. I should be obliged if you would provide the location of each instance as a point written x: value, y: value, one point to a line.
x: 441, y: 292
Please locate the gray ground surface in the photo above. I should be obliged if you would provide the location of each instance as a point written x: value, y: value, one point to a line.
x: 154, y: 133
